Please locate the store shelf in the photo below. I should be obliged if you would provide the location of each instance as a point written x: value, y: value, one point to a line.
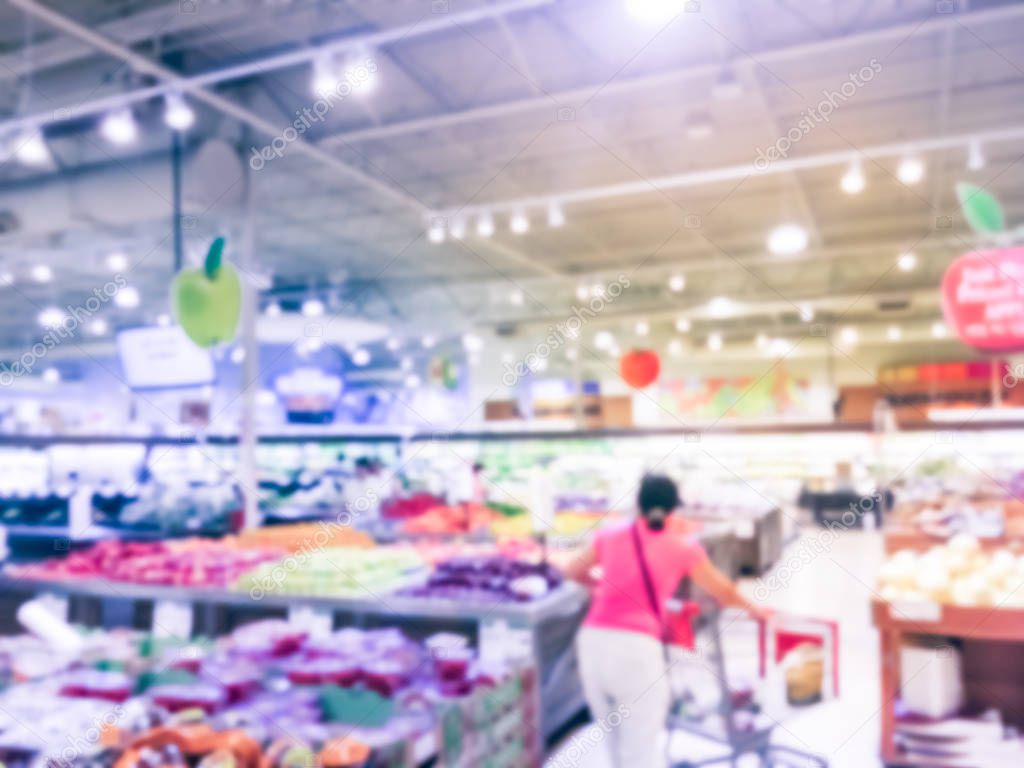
x: 566, y: 600
x: 96, y: 533
x: 487, y: 435
x: 980, y: 623
x: 897, y: 622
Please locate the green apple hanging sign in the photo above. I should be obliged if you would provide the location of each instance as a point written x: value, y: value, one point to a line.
x: 207, y: 302
x: 983, y: 212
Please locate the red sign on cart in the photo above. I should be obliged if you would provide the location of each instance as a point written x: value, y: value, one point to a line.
x: 983, y: 299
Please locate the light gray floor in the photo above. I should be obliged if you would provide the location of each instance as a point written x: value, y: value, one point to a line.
x: 821, y: 575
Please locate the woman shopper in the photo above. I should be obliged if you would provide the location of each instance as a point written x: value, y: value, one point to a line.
x: 622, y: 659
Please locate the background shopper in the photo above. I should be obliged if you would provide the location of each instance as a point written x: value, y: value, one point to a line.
x: 621, y: 654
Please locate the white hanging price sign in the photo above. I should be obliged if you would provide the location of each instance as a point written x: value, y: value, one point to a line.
x: 56, y: 605
x: 172, y: 618
x: 500, y: 642
x: 319, y: 622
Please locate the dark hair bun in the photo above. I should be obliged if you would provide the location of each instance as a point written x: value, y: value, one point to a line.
x: 657, y: 499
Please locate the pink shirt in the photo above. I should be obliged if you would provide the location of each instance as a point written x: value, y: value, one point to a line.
x: 620, y: 599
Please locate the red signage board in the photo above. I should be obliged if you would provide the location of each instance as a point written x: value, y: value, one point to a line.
x: 983, y: 299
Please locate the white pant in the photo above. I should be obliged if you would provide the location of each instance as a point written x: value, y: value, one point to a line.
x: 627, y: 688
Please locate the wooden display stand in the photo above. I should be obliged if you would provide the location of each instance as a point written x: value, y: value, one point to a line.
x: 902, y: 533
x: 993, y: 648
x: 899, y: 537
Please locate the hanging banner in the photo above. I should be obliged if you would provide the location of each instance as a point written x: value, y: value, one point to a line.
x: 983, y: 299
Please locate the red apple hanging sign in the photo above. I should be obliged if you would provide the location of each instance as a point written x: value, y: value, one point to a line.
x: 983, y: 299
x: 640, y: 367
x: 983, y: 291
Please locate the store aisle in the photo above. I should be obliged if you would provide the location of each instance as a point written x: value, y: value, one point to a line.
x: 823, y: 575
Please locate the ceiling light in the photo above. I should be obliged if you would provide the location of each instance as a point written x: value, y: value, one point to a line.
x: 359, y: 74
x: 406, y: 363
x: 472, y: 342
x: 273, y: 309
x: 485, y: 225
x: 435, y: 232
x: 806, y: 312
x: 778, y: 347
x: 178, y: 115
x: 127, y: 297
x: 41, y: 273
x: 119, y: 126
x: 117, y: 262
x: 516, y: 297
x: 519, y: 224
x: 721, y: 307
x: 894, y: 333
x: 51, y: 317
x: 699, y: 126
x: 412, y: 381
x: 676, y: 283
x: 761, y: 341
x: 642, y: 328
x: 361, y: 357
x: 939, y: 330
x: 51, y: 376
x: 975, y: 156
x: 393, y: 344
x: 163, y: 320
x: 907, y: 261
x: 848, y: 336
x: 787, y: 239
x: 582, y: 292
x: 683, y: 324
x: 325, y: 75
x: 458, y: 229
x: 852, y: 182
x: 238, y: 355
x: 98, y: 327
x: 910, y: 170
x: 312, y: 308
x: 675, y: 347
x: 428, y: 342
x: 715, y: 341
x: 604, y: 340
x: 30, y: 148
x: 556, y: 216
x: 655, y: 10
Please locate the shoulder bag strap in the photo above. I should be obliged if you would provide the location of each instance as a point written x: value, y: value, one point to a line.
x: 652, y: 595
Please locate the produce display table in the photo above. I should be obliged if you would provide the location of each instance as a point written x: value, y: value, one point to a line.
x: 992, y: 641
x: 541, y: 631
x: 903, y: 536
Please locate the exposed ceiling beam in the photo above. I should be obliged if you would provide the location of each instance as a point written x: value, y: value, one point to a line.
x: 569, y: 97
x: 172, y: 79
x: 256, y: 67
x: 144, y: 25
x: 722, y: 174
x: 921, y: 299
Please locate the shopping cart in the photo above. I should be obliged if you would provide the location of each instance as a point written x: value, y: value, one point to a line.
x: 741, y: 729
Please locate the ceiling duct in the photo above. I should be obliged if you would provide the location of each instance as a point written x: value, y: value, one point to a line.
x: 123, y: 194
